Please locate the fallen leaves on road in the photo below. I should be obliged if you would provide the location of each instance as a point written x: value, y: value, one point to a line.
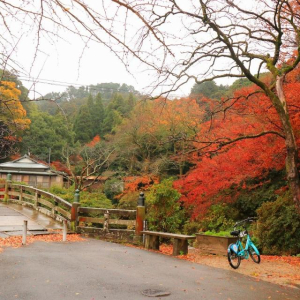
x: 16, y: 241
x: 294, y: 261
x: 284, y: 270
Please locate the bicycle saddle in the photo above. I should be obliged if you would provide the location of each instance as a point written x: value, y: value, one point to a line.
x: 235, y: 232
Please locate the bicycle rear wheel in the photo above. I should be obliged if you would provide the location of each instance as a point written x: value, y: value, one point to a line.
x: 233, y: 259
x: 255, y: 257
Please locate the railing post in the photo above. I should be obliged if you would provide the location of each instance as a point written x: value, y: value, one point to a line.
x: 140, y: 217
x: 24, y: 232
x: 53, y: 209
x: 21, y: 194
x: 74, y: 211
x: 7, y: 188
x: 106, y: 222
x: 65, y: 229
x: 36, y: 199
x: 77, y: 196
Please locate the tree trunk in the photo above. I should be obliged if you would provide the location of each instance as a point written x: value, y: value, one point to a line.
x: 290, y: 142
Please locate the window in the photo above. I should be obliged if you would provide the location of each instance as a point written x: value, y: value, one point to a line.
x: 32, y: 180
x: 17, y: 178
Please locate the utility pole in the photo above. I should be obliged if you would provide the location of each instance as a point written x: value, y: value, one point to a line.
x: 49, y: 159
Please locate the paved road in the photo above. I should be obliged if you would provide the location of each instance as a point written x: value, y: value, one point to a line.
x: 12, y: 218
x: 94, y: 270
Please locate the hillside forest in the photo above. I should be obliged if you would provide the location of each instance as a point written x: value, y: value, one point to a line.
x: 203, y: 162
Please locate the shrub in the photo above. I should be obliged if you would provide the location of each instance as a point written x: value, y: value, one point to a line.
x: 94, y: 199
x: 164, y: 212
x: 220, y: 233
x: 87, y: 199
x: 191, y: 228
x: 129, y: 201
x: 278, y: 229
x: 64, y: 193
x: 219, y: 217
x: 257, y: 192
x: 112, y: 188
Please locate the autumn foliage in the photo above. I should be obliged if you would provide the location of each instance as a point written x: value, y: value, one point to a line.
x: 16, y: 241
x: 221, y: 164
x: 12, y: 112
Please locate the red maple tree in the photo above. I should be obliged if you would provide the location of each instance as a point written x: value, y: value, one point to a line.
x: 243, y: 140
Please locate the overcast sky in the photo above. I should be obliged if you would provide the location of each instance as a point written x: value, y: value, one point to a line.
x: 68, y: 60
x: 64, y: 60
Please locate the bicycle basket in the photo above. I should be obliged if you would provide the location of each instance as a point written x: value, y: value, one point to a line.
x: 235, y: 232
x: 243, y: 233
x: 234, y: 248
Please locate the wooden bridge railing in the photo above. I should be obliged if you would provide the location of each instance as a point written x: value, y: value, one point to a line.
x: 97, y: 221
x: 45, y: 202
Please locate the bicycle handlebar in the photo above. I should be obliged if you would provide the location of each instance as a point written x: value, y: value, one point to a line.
x: 250, y: 219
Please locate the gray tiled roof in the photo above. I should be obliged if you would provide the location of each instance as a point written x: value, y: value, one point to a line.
x: 24, y: 162
x: 12, y: 165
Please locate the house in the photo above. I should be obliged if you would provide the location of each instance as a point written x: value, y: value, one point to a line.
x: 31, y: 172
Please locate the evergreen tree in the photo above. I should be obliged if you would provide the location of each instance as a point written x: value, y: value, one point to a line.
x: 112, y: 120
x: 83, y: 125
x: 99, y: 115
x: 46, y: 132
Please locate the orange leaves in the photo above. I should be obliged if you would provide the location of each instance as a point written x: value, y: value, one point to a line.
x: 59, y: 166
x: 8, y: 90
x: 140, y: 183
x: 16, y: 241
x: 95, y: 140
x: 220, y: 164
x: 11, y: 109
x: 294, y: 261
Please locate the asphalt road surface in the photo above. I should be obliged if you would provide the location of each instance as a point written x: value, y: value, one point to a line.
x: 93, y: 270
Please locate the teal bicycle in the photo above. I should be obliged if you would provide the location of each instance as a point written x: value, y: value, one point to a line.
x: 236, y: 252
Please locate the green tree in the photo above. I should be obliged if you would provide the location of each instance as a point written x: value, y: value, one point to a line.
x: 112, y: 119
x: 83, y: 125
x: 209, y: 89
x: 98, y: 115
x: 47, y: 133
x: 164, y: 212
x: 278, y: 228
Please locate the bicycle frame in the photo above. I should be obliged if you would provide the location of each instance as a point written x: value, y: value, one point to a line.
x: 236, y: 251
x: 243, y: 252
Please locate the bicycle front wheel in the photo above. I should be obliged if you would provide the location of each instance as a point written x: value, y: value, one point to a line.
x: 234, y: 259
x: 255, y: 257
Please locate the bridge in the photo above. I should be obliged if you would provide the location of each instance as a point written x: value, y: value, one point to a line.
x: 45, y: 211
x: 12, y: 217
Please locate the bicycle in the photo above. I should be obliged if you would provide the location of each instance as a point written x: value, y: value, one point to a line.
x: 236, y: 252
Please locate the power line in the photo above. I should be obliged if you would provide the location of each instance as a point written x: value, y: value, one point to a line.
x: 92, y: 87
x: 68, y: 84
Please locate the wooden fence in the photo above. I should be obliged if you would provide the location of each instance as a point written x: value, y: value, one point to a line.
x: 111, y: 223
x: 114, y: 223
